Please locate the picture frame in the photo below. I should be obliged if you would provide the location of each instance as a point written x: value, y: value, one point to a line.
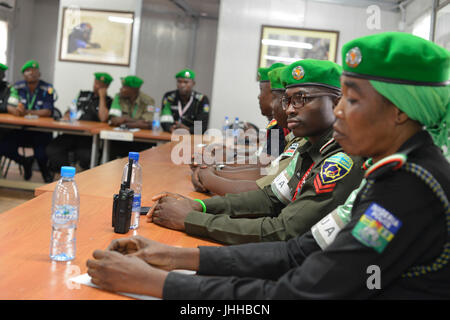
x: 96, y: 36
x: 287, y: 45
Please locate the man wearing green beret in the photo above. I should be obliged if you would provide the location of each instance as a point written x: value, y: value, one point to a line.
x: 5, y: 89
x: 182, y: 107
x: 133, y: 109
x: 234, y: 179
x: 92, y: 106
x: 275, y: 138
x: 393, y: 243
x: 31, y: 96
x: 318, y: 178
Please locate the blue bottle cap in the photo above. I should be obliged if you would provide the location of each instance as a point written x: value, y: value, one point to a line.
x: 133, y: 155
x: 68, y: 172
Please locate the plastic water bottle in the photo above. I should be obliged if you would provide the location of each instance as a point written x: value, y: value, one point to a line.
x: 73, y: 112
x: 136, y: 186
x: 65, y: 212
x: 225, y: 126
x: 236, y: 128
x: 156, y: 123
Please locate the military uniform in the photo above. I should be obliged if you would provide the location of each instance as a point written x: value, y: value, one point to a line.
x: 58, y: 150
x: 142, y: 109
x: 5, y: 89
x: 406, y: 215
x: 318, y: 179
x: 42, y: 98
x: 196, y: 109
x: 4, y: 95
x: 279, y: 164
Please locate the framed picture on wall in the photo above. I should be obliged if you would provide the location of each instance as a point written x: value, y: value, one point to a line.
x: 287, y: 45
x: 96, y: 36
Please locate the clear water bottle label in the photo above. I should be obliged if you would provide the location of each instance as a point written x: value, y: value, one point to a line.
x: 137, y: 202
x: 64, y: 214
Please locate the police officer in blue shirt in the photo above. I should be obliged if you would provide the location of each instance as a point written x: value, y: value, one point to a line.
x: 31, y: 96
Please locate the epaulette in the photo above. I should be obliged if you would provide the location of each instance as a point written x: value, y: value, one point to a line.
x: 199, y: 96
x: 271, y: 124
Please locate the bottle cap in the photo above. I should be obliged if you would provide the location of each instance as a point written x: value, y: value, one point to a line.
x: 68, y: 172
x: 134, y: 156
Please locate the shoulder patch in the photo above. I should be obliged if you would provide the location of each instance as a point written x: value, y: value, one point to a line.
x: 291, y: 150
x: 333, y: 169
x: 206, y: 108
x: 376, y: 228
x: 199, y: 96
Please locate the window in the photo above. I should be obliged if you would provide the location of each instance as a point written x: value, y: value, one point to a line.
x: 3, y: 41
x: 421, y: 27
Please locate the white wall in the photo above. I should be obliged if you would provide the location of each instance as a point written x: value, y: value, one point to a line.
x: 71, y: 77
x: 235, y: 89
x: 165, y: 43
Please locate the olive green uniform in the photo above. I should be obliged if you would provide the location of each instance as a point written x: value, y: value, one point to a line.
x: 265, y: 215
x: 279, y: 164
x: 142, y: 109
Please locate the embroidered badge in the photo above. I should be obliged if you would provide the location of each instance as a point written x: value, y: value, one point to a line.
x: 271, y: 124
x: 50, y: 90
x: 291, y: 150
x: 298, y: 73
x: 353, y: 57
x: 376, y: 228
x: 150, y: 108
x: 206, y: 108
x: 333, y: 169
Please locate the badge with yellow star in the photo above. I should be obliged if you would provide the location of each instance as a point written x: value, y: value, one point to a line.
x: 332, y: 170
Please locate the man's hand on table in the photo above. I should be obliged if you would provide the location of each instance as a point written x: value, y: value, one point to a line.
x: 171, y: 209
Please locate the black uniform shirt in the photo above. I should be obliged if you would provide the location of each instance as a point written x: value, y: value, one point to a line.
x: 88, y: 104
x: 299, y: 269
x: 4, y: 95
x: 197, y: 111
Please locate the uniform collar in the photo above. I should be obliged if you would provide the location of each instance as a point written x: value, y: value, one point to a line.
x: 320, y: 148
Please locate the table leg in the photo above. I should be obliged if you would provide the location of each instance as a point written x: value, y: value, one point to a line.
x: 94, y: 150
x: 105, y: 154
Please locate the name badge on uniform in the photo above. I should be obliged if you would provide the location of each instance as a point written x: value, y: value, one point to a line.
x: 376, y: 228
x: 280, y: 185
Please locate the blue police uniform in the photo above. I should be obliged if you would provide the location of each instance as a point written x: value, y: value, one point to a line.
x: 42, y: 98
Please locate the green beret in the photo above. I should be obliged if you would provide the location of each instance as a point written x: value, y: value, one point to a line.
x: 312, y: 72
x: 396, y: 57
x: 186, y: 74
x: 132, y: 81
x: 3, y: 67
x: 275, y: 79
x: 30, y: 64
x: 263, y: 73
x: 103, y: 77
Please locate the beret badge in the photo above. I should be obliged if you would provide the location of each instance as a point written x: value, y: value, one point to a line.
x: 353, y: 57
x: 298, y: 73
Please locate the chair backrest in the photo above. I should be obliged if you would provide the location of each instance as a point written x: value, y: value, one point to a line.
x: 56, y: 114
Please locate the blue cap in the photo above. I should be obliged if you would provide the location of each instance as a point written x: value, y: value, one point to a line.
x: 68, y: 172
x: 133, y: 155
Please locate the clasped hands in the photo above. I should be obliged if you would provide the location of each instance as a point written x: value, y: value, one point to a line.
x: 138, y: 265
